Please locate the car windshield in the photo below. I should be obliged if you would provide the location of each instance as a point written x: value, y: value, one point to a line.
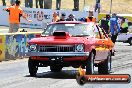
x: 72, y: 29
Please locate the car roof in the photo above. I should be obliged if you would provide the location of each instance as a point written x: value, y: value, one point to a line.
x: 69, y: 22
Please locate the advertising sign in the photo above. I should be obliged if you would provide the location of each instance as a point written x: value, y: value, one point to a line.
x: 39, y: 17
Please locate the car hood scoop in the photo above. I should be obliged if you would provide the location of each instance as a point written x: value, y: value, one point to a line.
x: 61, y: 34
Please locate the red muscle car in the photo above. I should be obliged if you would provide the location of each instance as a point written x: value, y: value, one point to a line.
x: 70, y: 43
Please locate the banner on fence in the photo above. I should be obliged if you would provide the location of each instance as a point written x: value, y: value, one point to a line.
x: 39, y: 16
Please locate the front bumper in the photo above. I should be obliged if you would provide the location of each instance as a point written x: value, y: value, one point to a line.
x: 58, y: 53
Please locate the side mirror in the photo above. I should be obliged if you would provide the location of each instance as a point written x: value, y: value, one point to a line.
x: 44, y: 29
x: 44, y: 25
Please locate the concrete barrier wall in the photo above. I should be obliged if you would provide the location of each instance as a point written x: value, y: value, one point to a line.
x: 2, y: 47
x: 14, y: 45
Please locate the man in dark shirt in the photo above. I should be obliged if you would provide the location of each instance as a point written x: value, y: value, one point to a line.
x: 104, y: 23
x: 63, y: 17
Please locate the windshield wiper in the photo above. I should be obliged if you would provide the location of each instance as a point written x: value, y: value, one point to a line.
x: 79, y: 35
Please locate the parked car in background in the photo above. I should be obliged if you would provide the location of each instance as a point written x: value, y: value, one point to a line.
x: 126, y: 37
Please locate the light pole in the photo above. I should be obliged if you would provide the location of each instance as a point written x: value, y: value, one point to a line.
x: 110, y: 6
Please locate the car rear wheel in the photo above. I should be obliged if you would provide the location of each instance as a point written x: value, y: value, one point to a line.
x: 105, y: 67
x: 130, y: 41
x: 55, y: 68
x: 90, y: 64
x: 32, y: 65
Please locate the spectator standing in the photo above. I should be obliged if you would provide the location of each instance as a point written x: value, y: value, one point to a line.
x: 58, y: 4
x: 71, y: 17
x: 90, y: 18
x: 26, y: 3
x: 36, y: 3
x: 55, y: 17
x: 14, y: 17
x: 47, y: 4
x: 4, y: 3
x: 97, y: 6
x: 29, y: 3
x: 76, y: 5
x: 63, y: 17
x: 124, y: 26
x: 114, y: 27
x: 40, y: 3
x: 104, y: 23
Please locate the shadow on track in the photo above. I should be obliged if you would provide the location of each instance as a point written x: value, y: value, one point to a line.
x: 64, y: 74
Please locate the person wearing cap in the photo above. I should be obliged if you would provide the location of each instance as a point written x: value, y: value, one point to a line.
x: 90, y: 18
x: 114, y: 27
x: 15, y: 12
x: 71, y: 17
x: 55, y: 17
x: 63, y: 17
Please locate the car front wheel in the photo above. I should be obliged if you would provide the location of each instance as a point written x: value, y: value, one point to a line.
x: 90, y: 64
x: 32, y: 65
x: 105, y: 67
